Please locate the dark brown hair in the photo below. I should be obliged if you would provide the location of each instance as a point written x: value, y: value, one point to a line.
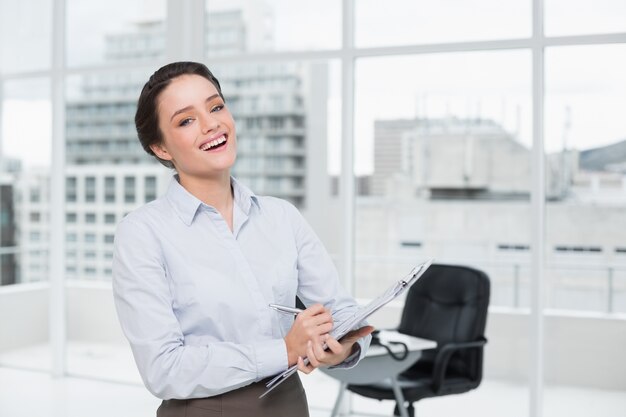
x: 147, y: 116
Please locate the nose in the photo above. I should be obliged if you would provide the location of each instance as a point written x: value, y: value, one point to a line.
x: 208, y: 122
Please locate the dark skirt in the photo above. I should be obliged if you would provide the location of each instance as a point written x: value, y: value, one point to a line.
x: 287, y: 400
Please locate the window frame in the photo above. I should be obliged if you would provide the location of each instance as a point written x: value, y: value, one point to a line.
x: 185, y: 26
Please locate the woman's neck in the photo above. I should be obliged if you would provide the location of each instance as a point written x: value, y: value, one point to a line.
x: 215, y: 192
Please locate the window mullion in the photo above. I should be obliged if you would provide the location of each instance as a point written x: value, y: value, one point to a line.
x: 347, y: 188
x: 537, y: 215
x: 57, y: 323
x: 185, y: 30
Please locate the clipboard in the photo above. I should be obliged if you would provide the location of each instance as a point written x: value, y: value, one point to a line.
x: 359, y: 315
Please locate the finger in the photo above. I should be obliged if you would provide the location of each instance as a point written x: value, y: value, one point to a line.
x: 315, y: 317
x: 355, y: 335
x: 313, y: 310
x: 324, y: 328
x: 321, y: 318
x: 315, y: 333
x: 365, y: 330
x: 334, y: 345
x: 317, y: 339
x: 304, y: 368
x: 311, y: 355
x: 318, y: 349
x: 307, y: 316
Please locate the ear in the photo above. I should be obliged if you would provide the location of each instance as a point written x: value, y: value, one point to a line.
x: 160, y: 151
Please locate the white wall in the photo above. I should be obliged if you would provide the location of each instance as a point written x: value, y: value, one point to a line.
x: 580, y: 350
x: 24, y: 315
x: 583, y: 350
x: 91, y: 315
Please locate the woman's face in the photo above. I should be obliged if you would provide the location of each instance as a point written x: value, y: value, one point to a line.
x: 198, y: 130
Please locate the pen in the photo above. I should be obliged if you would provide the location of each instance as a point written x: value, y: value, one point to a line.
x: 285, y: 309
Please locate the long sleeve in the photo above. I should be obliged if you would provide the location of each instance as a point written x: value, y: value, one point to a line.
x: 147, y: 305
x: 318, y: 281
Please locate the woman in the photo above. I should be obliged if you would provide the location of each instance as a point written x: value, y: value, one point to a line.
x: 195, y: 270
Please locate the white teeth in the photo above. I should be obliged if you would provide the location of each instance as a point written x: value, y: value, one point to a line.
x: 213, y: 143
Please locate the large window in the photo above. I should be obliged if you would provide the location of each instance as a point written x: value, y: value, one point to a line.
x: 25, y: 33
x: 407, y: 22
x: 25, y: 161
x: 577, y: 17
x: 284, y: 114
x: 586, y: 181
x: 25, y: 139
x: 585, y: 151
x: 426, y: 108
x: 115, y: 31
x: 444, y: 142
x: 244, y: 26
x: 443, y: 152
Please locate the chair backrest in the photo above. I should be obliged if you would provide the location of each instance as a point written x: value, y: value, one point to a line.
x: 448, y: 304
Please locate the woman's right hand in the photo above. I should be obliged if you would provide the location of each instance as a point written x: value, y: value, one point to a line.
x: 312, y: 324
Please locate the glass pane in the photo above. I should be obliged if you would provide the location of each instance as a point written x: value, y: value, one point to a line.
x: 26, y: 103
x: 235, y: 27
x: 288, y: 122
x: 585, y: 271
x: 25, y: 171
x: 24, y: 222
x: 485, y: 119
x: 25, y: 35
x: 115, y: 31
x: 579, y: 17
x: 106, y: 169
x: 444, y: 142
x: 100, y: 127
x: 404, y: 22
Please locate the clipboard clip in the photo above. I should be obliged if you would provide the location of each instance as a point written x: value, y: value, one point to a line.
x: 411, y: 277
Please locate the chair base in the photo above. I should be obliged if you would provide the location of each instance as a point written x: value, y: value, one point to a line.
x: 410, y: 410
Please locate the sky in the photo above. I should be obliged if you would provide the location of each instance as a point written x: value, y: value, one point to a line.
x: 584, y: 82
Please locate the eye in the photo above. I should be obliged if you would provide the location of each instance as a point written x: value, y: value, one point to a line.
x: 185, y: 121
x: 217, y: 108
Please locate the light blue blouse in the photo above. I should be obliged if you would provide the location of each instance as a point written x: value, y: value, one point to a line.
x: 192, y: 296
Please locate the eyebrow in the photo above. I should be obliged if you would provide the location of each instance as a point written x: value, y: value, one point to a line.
x: 184, y: 109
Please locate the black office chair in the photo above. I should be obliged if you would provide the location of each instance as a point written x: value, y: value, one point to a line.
x: 447, y: 304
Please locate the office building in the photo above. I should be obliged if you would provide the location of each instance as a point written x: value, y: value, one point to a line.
x: 450, y: 158
x: 459, y: 191
x: 24, y: 200
x: 8, y: 266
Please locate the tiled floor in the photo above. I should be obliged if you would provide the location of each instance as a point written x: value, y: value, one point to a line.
x: 36, y: 394
x: 25, y: 393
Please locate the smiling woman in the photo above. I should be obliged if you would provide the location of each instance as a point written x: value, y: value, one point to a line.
x: 195, y: 271
x: 198, y: 138
x: 147, y: 118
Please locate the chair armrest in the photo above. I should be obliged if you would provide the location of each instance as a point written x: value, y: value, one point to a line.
x: 443, y: 357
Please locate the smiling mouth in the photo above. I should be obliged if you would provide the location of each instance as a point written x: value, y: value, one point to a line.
x: 214, y: 144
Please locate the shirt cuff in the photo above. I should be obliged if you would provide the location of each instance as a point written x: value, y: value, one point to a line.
x: 271, y: 357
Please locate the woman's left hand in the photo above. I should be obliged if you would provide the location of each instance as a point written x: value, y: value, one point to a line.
x: 336, y: 351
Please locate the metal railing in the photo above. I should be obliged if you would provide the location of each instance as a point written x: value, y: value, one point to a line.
x: 584, y: 280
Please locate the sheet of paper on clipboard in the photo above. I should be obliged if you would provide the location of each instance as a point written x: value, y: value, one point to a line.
x: 359, y: 316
